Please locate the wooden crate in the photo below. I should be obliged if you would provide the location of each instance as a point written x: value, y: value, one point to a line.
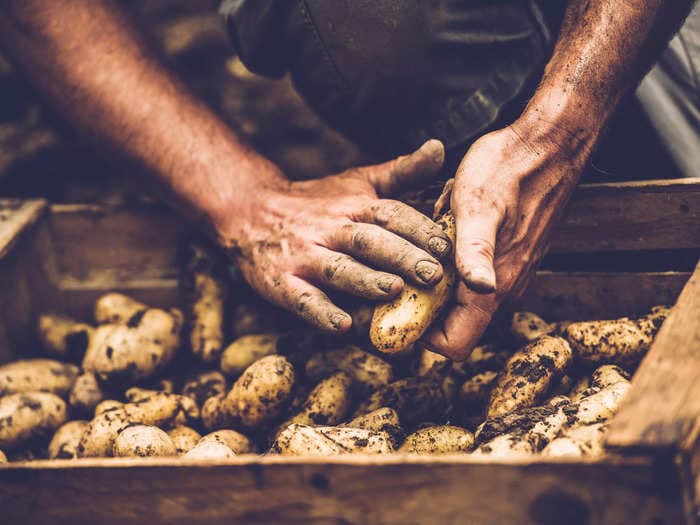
x: 62, y: 257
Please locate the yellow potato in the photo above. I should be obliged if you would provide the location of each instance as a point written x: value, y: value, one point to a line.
x: 107, y: 405
x: 85, y: 394
x: 236, y: 441
x: 585, y: 440
x: 525, y: 327
x: 64, y: 337
x: 528, y: 375
x: 441, y: 439
x: 213, y: 414
x: 399, y: 323
x: 143, y: 441
x: 367, y: 371
x: 204, y: 385
x: 64, y: 444
x: 37, y: 375
x: 428, y: 359
x: 210, y: 450
x: 245, y: 350
x: 116, y: 308
x: 184, y: 438
x: 189, y: 411
x: 261, y: 393
x: 327, y: 404
x: 577, y: 391
x: 383, y: 419
x: 475, y: 392
x: 29, y: 415
x: 314, y: 441
x: 3, y: 458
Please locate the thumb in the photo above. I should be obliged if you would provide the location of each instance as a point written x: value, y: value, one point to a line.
x: 475, y: 246
x: 407, y: 171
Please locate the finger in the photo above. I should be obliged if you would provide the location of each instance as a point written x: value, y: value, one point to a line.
x: 346, y: 274
x: 405, y: 172
x: 463, y: 326
x: 475, y: 247
x: 311, y: 304
x: 409, y: 223
x: 383, y: 249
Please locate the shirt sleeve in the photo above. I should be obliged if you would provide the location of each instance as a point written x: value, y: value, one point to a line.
x: 257, y: 30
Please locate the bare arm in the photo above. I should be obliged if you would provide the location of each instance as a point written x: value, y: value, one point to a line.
x: 291, y: 240
x: 512, y: 183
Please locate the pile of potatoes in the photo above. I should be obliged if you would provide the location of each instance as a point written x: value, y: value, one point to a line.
x: 142, y: 381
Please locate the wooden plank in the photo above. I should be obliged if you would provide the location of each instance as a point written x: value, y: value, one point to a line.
x: 630, y: 216
x: 382, y: 490
x: 560, y: 296
x: 662, y: 409
x: 16, y: 217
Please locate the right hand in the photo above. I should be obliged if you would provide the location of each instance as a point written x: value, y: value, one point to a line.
x: 292, y: 240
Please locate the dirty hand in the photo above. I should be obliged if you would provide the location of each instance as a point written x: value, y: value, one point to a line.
x: 295, y: 239
x: 509, y: 187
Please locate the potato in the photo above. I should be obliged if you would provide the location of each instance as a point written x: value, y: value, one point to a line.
x: 608, y: 375
x: 213, y: 414
x: 204, y: 385
x: 475, y: 392
x: 261, y: 393
x: 28, y: 415
x: 158, y: 410
x: 367, y: 371
x: 37, y: 375
x: 399, y: 323
x: 415, y: 399
x: 383, y: 419
x: 116, y: 308
x: 525, y: 327
x: 85, y: 394
x: 236, y: 441
x: 428, y: 359
x: 306, y: 440
x: 137, y: 350
x: 210, y: 450
x: 577, y: 391
x: 327, y: 404
x: 621, y: 341
x: 184, y: 438
x: 528, y: 375
x: 441, y: 439
x: 245, y: 350
x: 189, y: 412
x: 64, y: 444
x: 482, y: 359
x: 3, y: 458
x: 143, y: 441
x: 107, y: 405
x: 601, y: 405
x: 585, y: 440
x: 206, y: 292
x: 64, y: 337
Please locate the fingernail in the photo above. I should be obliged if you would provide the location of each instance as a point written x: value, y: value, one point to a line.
x: 482, y: 280
x: 337, y: 320
x: 426, y: 270
x: 386, y: 284
x: 439, y: 246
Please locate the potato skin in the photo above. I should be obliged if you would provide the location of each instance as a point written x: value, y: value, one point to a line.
x: 64, y: 444
x: 525, y: 327
x: 475, y: 392
x: 399, y: 323
x: 184, y: 438
x: 3, y: 458
x: 213, y: 414
x: 116, y: 308
x: 210, y: 450
x: 383, y: 419
x: 528, y: 374
x: 107, y: 405
x: 585, y: 440
x: 367, y: 371
x: 28, y: 415
x: 245, y: 350
x: 440, y: 439
x: 98, y: 439
x: 261, y: 393
x: 85, y: 394
x: 64, y: 337
x: 37, y: 375
x: 204, y: 385
x: 621, y: 341
x: 137, y: 350
x: 235, y: 441
x: 306, y: 440
x: 143, y: 441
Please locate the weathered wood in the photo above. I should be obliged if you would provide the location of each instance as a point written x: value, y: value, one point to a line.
x: 385, y: 490
x: 663, y: 406
x: 648, y: 215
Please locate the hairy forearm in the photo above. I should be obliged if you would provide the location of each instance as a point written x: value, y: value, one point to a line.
x: 603, y: 50
x: 85, y: 57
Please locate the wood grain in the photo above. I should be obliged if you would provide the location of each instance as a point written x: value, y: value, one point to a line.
x: 382, y: 490
x: 16, y: 217
x: 663, y: 406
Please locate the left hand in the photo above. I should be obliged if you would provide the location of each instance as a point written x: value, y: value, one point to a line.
x: 509, y: 188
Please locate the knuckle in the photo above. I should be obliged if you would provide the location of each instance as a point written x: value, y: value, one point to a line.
x: 360, y: 240
x: 336, y: 264
x: 386, y: 211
